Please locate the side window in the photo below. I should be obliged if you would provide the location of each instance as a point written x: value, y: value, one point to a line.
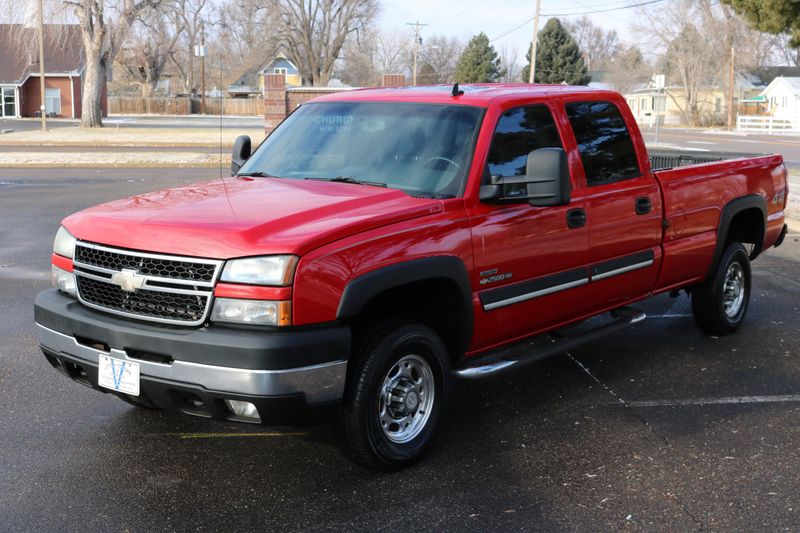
x: 520, y: 131
x: 603, y: 141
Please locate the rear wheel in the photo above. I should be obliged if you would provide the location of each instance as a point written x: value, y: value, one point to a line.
x: 396, y: 395
x: 720, y: 304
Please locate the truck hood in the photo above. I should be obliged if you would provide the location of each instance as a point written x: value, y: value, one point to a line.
x: 237, y: 217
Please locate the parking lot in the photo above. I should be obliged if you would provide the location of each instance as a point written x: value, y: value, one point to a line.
x: 656, y: 428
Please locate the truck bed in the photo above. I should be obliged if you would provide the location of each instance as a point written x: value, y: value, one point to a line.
x: 667, y: 159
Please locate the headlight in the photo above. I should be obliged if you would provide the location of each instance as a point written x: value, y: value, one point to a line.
x: 64, y: 244
x: 257, y: 312
x: 267, y: 270
x: 64, y: 281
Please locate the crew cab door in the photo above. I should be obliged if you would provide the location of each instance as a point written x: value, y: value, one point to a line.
x: 623, y: 201
x: 530, y: 269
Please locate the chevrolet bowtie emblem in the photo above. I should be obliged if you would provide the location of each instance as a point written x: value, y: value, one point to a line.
x: 128, y: 280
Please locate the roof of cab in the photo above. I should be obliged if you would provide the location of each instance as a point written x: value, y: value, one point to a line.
x: 478, y: 94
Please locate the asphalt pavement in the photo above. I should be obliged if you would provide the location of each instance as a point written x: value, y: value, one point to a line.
x: 659, y: 428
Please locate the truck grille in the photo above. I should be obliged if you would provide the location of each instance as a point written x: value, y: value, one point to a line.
x: 169, y: 289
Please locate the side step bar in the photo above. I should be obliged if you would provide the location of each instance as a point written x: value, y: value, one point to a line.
x: 532, y: 351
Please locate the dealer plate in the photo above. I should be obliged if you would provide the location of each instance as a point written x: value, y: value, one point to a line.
x: 118, y: 375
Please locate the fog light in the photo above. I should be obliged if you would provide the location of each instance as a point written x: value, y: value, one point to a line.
x: 64, y: 281
x: 243, y: 410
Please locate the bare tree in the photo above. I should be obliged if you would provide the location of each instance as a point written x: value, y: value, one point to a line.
x: 508, y: 62
x: 314, y: 32
x: 104, y: 26
x: 151, y: 43
x: 438, y: 58
x: 392, y: 51
x: 597, y: 45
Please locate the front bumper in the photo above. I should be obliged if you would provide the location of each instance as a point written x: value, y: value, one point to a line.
x: 292, y: 377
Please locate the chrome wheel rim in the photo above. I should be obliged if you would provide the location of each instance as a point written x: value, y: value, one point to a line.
x: 406, y: 399
x: 733, y: 290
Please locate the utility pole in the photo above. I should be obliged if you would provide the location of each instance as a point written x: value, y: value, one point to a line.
x: 731, y: 100
x: 534, y: 41
x: 42, y: 107
x: 203, y: 68
x: 417, y: 27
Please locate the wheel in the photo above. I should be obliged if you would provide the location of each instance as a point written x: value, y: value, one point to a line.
x: 138, y: 402
x: 720, y: 304
x: 395, y: 396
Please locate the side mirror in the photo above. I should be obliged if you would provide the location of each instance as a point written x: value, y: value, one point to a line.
x: 545, y: 183
x: 241, y: 152
x: 548, y: 177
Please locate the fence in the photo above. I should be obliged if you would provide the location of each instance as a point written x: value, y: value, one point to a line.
x: 131, y: 105
x: 758, y: 124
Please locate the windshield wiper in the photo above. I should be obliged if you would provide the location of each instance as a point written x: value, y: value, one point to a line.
x: 256, y: 174
x: 349, y: 179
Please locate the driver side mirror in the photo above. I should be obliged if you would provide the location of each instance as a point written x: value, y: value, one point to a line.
x: 545, y: 183
x: 241, y: 152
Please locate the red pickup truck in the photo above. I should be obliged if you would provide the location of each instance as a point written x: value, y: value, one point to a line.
x: 381, y: 242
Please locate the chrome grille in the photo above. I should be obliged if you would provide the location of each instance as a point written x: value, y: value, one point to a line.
x: 174, y: 290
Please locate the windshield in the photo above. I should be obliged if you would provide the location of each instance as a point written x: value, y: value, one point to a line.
x: 422, y: 149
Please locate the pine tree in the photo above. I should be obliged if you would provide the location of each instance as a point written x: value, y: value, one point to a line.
x: 771, y: 16
x: 558, y: 58
x: 479, y: 62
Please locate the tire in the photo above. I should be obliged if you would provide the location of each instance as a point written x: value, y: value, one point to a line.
x: 410, y: 360
x: 719, y: 305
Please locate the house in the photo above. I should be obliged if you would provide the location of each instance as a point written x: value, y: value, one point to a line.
x: 782, y: 98
x: 251, y: 83
x: 670, y: 103
x: 64, y: 65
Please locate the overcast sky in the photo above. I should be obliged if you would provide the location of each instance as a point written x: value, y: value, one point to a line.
x: 465, y: 18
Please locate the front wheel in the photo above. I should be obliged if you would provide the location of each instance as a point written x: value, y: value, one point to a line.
x: 720, y: 304
x: 396, y: 395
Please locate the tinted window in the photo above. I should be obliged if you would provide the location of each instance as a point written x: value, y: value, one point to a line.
x: 422, y: 149
x: 520, y: 131
x: 603, y: 142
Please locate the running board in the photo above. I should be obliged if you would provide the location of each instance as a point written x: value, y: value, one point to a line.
x: 531, y: 351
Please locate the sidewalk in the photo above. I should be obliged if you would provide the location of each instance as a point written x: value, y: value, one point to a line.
x: 140, y: 137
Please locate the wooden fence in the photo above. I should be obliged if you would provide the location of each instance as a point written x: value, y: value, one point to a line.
x: 132, y: 105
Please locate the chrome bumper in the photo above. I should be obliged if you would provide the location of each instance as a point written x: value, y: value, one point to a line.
x: 319, y: 383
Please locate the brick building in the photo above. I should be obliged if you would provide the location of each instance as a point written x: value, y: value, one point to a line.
x: 64, y: 61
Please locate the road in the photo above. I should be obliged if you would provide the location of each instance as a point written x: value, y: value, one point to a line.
x: 701, y: 141
x: 150, y: 121
x: 656, y: 428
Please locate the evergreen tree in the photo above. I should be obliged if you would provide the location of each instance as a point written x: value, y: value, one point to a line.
x: 771, y: 16
x: 558, y: 58
x: 479, y: 62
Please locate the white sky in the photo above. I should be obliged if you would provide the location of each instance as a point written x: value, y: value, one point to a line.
x: 465, y: 18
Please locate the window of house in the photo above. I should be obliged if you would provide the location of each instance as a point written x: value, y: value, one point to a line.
x: 280, y: 70
x: 519, y: 132
x: 604, y: 143
x: 52, y: 101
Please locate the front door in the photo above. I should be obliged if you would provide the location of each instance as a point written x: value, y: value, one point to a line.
x: 530, y: 263
x: 8, y: 101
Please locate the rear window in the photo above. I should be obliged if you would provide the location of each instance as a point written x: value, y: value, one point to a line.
x: 603, y: 141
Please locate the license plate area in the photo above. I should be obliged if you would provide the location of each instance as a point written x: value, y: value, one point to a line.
x: 118, y: 375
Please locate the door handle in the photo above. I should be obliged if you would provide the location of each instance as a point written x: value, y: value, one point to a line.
x: 576, y: 218
x: 643, y: 205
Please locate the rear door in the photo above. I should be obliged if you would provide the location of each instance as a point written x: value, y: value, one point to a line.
x: 623, y: 201
x: 530, y: 262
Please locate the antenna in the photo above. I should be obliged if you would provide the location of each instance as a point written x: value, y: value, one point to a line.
x: 221, y: 113
x: 456, y: 90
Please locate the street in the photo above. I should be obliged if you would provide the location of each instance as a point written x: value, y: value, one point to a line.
x: 659, y: 427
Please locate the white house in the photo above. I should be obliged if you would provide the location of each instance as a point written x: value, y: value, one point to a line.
x: 783, y: 98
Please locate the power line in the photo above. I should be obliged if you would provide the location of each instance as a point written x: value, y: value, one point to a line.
x: 596, y: 11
